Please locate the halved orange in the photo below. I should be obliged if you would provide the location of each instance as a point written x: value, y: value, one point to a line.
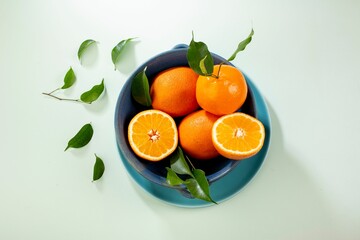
x: 238, y: 135
x: 153, y: 135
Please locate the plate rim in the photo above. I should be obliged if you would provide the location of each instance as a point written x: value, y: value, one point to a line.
x: 172, y: 196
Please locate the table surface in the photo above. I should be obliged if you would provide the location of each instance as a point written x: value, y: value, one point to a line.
x: 304, y: 58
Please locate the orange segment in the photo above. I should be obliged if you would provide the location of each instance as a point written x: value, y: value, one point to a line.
x: 152, y: 135
x: 238, y: 135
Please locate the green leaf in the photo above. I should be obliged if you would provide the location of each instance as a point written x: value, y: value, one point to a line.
x: 93, y: 94
x: 172, y: 178
x: 140, y: 89
x: 99, y: 168
x: 117, y: 50
x: 242, y: 45
x: 84, y: 45
x: 199, y: 58
x: 197, y: 183
x: 81, y: 138
x: 199, y: 186
x: 69, y: 79
x: 178, y: 163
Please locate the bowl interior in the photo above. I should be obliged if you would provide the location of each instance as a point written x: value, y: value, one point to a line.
x: 127, y: 108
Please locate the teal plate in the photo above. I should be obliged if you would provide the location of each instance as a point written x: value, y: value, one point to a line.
x: 227, y: 186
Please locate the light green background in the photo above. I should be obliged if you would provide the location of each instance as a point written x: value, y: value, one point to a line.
x: 304, y: 58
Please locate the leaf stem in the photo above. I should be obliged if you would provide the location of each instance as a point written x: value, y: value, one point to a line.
x: 61, y: 99
x: 190, y: 162
x: 54, y: 91
x: 218, y: 73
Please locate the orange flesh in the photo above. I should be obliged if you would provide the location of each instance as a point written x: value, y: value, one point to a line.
x: 238, y: 135
x: 153, y: 136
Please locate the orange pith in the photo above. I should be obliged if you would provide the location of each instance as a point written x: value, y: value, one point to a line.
x: 173, y: 91
x: 152, y: 135
x: 222, y: 95
x: 238, y: 136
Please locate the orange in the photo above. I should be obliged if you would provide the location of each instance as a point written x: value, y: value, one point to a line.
x: 238, y: 135
x: 173, y: 91
x: 195, y: 135
x: 152, y: 135
x: 223, y: 94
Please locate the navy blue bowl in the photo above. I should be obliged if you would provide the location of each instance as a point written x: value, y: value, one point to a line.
x: 127, y: 108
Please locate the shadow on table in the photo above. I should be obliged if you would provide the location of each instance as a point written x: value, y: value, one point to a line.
x: 283, y: 199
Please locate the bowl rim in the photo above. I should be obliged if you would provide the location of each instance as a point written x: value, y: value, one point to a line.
x: 146, y: 173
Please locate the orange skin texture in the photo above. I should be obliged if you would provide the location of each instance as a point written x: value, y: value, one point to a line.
x: 174, y: 91
x: 222, y: 95
x: 195, y: 135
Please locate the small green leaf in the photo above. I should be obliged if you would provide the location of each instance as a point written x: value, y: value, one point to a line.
x: 178, y: 163
x: 242, y: 45
x: 199, y: 186
x: 140, y: 89
x: 93, y: 94
x: 84, y: 45
x: 69, y: 79
x: 172, y: 178
x: 99, y: 168
x: 117, y: 50
x: 81, y: 138
x: 199, y: 58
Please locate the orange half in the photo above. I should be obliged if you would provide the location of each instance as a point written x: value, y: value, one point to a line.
x: 238, y: 135
x: 153, y: 135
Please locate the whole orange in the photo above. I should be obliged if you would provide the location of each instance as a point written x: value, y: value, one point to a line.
x: 195, y: 135
x: 222, y: 93
x: 174, y: 91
